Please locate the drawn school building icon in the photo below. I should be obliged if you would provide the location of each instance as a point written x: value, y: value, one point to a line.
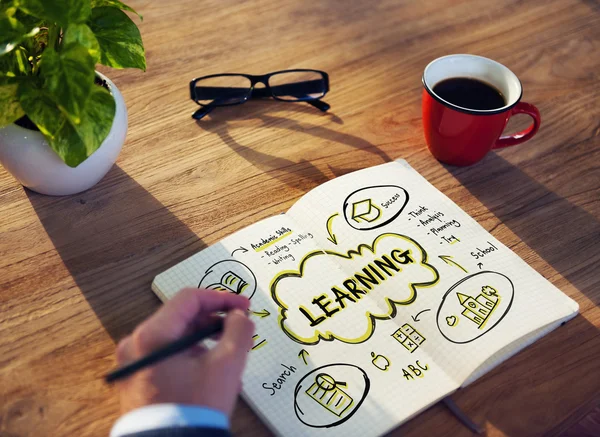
x: 480, y: 308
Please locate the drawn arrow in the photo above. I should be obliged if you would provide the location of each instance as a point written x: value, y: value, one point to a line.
x: 303, y: 354
x: 416, y: 318
x: 329, y: 231
x: 448, y: 260
x: 262, y: 314
x: 243, y: 249
x: 480, y: 265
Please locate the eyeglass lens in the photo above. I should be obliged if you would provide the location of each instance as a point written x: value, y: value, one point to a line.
x: 222, y: 90
x: 298, y: 85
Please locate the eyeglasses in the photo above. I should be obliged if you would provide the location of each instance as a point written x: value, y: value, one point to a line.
x: 233, y: 89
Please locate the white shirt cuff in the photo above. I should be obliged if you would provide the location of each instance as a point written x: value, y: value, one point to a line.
x: 168, y: 416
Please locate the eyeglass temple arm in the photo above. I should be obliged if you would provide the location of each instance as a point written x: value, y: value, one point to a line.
x: 297, y: 89
x: 319, y: 104
x: 301, y: 93
x: 202, y: 112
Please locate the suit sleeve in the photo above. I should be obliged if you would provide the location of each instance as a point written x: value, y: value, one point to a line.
x: 182, y: 432
x: 172, y: 420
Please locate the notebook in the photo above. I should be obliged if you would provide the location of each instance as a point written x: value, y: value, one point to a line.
x: 374, y: 297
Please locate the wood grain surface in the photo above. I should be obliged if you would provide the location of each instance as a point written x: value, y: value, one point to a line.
x: 75, y: 272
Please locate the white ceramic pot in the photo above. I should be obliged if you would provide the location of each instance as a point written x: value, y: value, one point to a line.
x: 28, y: 157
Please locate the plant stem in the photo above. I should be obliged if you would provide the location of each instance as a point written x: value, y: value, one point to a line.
x: 53, y: 35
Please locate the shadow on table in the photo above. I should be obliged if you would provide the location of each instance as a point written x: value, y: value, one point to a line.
x: 302, y: 175
x: 540, y: 218
x: 114, y: 238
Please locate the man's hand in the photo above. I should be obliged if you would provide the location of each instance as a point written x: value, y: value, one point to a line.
x: 198, y: 376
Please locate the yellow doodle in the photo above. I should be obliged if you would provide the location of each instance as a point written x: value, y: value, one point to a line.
x: 479, y: 309
x: 391, y: 270
x: 381, y: 362
x: 365, y: 211
x: 408, y: 337
x: 328, y: 393
x: 452, y: 321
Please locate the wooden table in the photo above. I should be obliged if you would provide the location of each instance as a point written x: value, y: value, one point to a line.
x: 76, y: 271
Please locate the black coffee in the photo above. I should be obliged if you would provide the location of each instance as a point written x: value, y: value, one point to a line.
x: 470, y: 93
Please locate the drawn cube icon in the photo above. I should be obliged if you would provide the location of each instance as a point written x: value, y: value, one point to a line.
x: 408, y: 337
x: 365, y: 211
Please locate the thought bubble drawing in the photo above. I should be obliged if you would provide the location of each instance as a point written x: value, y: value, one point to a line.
x: 373, y: 207
x: 341, y: 295
x: 474, y: 305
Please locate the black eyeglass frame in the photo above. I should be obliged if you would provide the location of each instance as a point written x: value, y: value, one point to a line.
x: 267, y: 91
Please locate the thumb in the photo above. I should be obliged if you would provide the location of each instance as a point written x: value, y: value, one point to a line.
x: 236, y: 340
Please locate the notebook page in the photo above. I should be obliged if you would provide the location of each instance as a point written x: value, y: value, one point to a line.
x: 298, y: 383
x: 483, y: 297
x: 514, y: 348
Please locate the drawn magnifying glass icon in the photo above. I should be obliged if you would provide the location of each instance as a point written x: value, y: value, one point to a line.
x: 326, y: 382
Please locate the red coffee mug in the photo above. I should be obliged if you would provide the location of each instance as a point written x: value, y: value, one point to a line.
x: 462, y: 136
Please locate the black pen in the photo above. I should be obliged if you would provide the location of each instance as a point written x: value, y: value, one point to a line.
x: 165, y: 352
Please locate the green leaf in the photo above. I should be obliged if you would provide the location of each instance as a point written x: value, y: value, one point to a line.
x: 119, y: 38
x: 29, y: 21
x: 115, y: 4
x: 41, y: 109
x: 11, y: 107
x: 69, y: 77
x: 81, y: 34
x: 73, y: 143
x: 12, y: 32
x: 97, y: 119
x: 63, y: 12
x: 15, y: 64
x: 8, y: 7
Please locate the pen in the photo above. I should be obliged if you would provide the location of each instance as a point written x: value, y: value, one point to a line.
x: 165, y: 352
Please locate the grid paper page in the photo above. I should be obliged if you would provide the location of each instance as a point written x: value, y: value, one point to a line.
x: 370, y: 303
x: 485, y: 298
x: 299, y: 388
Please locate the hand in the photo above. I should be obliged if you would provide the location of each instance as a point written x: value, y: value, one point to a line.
x: 198, y: 376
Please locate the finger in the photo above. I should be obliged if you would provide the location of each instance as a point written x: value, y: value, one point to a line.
x: 236, y: 339
x: 204, y: 320
x: 176, y: 317
x: 125, y: 353
x: 196, y: 351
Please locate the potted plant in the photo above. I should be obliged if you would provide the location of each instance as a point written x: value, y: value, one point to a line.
x: 62, y: 124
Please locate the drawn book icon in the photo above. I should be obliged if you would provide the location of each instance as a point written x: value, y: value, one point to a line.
x: 365, y: 211
x: 230, y: 282
x: 480, y: 308
x: 356, y: 278
x: 327, y: 392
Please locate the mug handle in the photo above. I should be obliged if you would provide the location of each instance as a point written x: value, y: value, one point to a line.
x: 524, y: 135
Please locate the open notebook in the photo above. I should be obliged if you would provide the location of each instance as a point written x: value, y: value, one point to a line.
x: 374, y: 297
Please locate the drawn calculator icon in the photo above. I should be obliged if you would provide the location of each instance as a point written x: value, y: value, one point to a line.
x: 408, y: 337
x: 327, y: 392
